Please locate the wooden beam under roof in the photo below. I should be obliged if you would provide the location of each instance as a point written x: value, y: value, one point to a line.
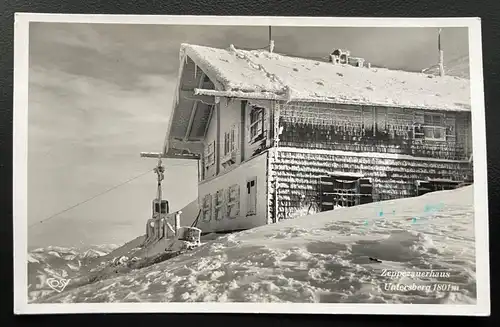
x: 201, y: 79
x: 190, y: 95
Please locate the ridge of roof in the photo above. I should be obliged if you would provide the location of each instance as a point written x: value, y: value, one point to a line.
x: 311, y: 80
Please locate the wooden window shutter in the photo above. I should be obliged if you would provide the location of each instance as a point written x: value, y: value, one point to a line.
x: 233, y: 201
x: 214, y: 205
x: 219, y: 205
x: 210, y: 207
x: 237, y: 201
x: 227, y: 193
x: 207, y: 208
x: 235, y: 137
x: 223, y: 205
x: 264, y: 120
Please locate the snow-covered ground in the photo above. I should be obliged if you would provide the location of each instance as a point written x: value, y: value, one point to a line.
x: 318, y: 258
x: 60, y: 262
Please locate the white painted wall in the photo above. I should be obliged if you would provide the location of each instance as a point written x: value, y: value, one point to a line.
x: 256, y: 167
x: 230, y: 115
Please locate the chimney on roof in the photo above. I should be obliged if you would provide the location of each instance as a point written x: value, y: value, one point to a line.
x: 343, y: 57
x: 356, y: 62
x: 339, y: 56
x: 271, y: 41
x: 441, y: 55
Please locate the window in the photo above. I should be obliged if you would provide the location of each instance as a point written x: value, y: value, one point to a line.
x: 434, y: 128
x: 219, y: 205
x: 231, y: 140
x: 233, y: 203
x: 207, y: 208
x: 164, y: 206
x: 252, y: 197
x: 209, y: 154
x: 226, y: 143
x: 256, y: 123
x: 343, y: 190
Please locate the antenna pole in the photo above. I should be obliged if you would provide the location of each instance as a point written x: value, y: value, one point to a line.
x: 159, y: 170
x: 441, y: 55
x: 271, y: 41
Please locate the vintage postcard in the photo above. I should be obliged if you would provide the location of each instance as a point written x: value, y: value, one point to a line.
x: 249, y: 164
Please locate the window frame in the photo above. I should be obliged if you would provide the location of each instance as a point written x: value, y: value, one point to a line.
x: 257, y: 124
x: 432, y: 125
x: 433, y: 129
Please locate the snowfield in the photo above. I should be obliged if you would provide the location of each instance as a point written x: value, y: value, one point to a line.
x: 318, y: 258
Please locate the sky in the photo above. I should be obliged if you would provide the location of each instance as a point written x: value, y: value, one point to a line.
x: 99, y: 94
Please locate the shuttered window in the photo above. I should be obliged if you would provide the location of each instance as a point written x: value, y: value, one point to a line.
x: 233, y: 201
x: 256, y: 123
x: 207, y: 208
x: 219, y: 206
x: 209, y: 154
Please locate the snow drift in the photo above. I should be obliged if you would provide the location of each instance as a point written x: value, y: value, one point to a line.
x: 60, y: 262
x: 327, y: 257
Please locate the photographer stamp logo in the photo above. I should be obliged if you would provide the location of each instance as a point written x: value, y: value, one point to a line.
x: 57, y: 284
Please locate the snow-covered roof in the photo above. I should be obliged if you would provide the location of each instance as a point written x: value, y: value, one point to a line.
x: 304, y: 80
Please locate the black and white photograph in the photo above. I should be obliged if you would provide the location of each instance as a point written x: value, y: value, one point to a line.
x: 266, y: 164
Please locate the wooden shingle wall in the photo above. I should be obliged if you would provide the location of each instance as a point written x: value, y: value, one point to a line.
x: 298, y: 176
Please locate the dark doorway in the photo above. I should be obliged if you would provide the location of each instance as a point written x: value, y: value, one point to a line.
x: 344, y: 190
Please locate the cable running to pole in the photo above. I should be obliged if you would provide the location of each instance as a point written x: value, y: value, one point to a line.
x: 90, y: 199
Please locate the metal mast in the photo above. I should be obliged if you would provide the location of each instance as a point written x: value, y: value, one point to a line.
x: 441, y: 55
x: 159, y: 170
x: 271, y: 41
